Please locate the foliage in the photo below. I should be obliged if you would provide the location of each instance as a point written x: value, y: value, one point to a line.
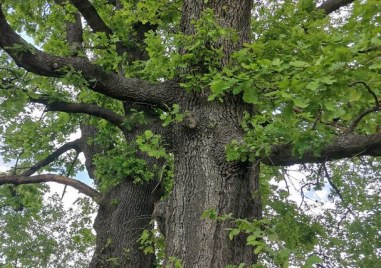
x: 40, y: 232
x: 172, y: 116
x: 153, y: 242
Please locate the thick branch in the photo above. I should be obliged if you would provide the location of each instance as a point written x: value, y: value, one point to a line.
x: 330, y: 6
x: 80, y: 186
x: 73, y: 145
x: 345, y: 146
x: 95, y: 21
x: 91, y: 15
x: 110, y: 84
x: 94, y: 110
x: 74, y: 31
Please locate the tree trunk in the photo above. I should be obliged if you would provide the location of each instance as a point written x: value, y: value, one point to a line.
x: 124, y: 211
x: 123, y: 214
x: 205, y: 180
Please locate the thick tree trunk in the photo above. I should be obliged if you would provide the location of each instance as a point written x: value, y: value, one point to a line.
x: 122, y: 216
x: 205, y: 180
x: 124, y: 212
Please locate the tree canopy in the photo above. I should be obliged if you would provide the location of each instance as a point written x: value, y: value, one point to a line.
x: 217, y: 133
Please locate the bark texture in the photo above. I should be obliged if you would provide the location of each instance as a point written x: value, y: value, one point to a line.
x: 124, y: 212
x: 203, y: 178
x: 122, y: 216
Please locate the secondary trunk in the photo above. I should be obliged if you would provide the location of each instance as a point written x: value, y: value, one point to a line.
x: 122, y: 216
x: 124, y: 212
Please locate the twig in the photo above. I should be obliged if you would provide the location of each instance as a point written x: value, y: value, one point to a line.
x: 343, y: 218
x: 331, y: 183
x: 375, y: 108
x: 302, y: 193
x: 369, y: 90
x: 17, y: 162
x: 69, y: 171
x: 361, y: 116
x: 317, y: 119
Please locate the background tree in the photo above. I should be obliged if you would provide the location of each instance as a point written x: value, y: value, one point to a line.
x: 190, y: 113
x: 37, y: 232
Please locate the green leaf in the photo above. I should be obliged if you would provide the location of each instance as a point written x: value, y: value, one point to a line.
x: 301, y: 103
x: 299, y: 64
x: 311, y: 260
x: 250, y: 95
x: 328, y: 80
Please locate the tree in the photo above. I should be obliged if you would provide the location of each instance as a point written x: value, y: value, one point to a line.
x: 34, y: 231
x: 190, y: 113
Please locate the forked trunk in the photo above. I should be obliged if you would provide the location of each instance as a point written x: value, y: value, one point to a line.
x: 204, y: 179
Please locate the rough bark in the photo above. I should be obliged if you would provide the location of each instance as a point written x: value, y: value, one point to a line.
x: 205, y: 180
x: 125, y: 211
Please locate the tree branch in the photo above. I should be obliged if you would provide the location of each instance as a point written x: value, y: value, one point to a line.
x: 95, y: 21
x: 115, y: 86
x: 80, y: 186
x: 90, y: 109
x: 91, y: 15
x: 344, y: 146
x: 73, y: 145
x: 331, y: 183
x: 74, y: 31
x: 69, y: 171
x: 330, y: 6
x: 361, y: 116
x: 377, y: 103
x: 375, y: 108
